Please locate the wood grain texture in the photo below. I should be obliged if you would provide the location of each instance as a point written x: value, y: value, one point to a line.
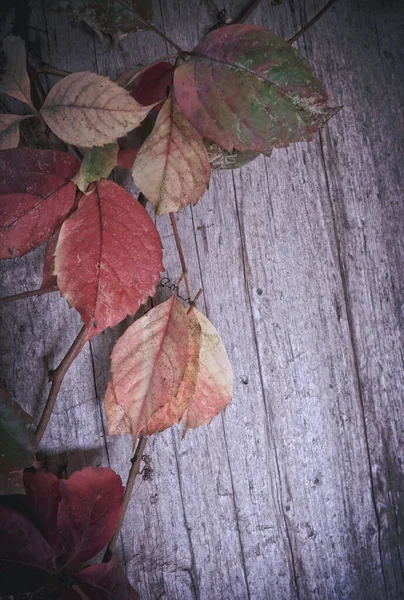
x: 296, y: 491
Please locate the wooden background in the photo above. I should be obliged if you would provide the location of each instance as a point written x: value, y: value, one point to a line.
x: 296, y: 492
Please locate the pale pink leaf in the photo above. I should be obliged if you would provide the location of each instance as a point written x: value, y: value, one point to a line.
x: 172, y: 167
x: 15, y: 81
x: 147, y: 366
x: 10, y: 130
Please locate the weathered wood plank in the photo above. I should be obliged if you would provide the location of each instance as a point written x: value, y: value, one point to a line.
x: 296, y: 491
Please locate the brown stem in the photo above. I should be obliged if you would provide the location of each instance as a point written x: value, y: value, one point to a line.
x: 133, y: 473
x: 47, y: 69
x: 33, y: 75
x: 39, y: 292
x: 310, y: 23
x: 149, y: 25
x: 56, y: 377
x: 181, y: 255
x: 247, y: 12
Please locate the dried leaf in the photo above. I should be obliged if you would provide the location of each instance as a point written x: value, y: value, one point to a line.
x: 109, y: 17
x: 10, y: 130
x: 48, y: 278
x: 108, y: 257
x: 214, y: 386
x: 36, y: 195
x: 26, y: 559
x: 15, y: 81
x: 98, y: 163
x: 17, y: 444
x: 89, y: 510
x: 88, y: 110
x: 173, y: 411
x: 247, y: 89
x: 43, y: 497
x: 106, y: 581
x: 172, y: 167
x: 153, y: 85
x: 147, y: 367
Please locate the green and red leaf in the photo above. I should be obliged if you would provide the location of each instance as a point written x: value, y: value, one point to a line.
x: 36, y: 195
x: 108, y: 257
x: 247, y: 89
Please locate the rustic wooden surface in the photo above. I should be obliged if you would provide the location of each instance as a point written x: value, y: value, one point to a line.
x: 297, y: 490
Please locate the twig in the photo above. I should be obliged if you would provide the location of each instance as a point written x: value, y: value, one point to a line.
x: 56, y: 377
x: 310, y: 23
x: 149, y: 25
x: 181, y: 255
x: 39, y: 292
x: 47, y: 69
x: 133, y: 473
x: 33, y: 75
x: 247, y: 12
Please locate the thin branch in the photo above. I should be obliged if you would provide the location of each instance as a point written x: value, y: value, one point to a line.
x: 181, y: 255
x: 47, y: 69
x: 149, y: 25
x: 311, y: 23
x: 247, y: 12
x: 133, y: 473
x: 30, y: 294
x: 56, y: 377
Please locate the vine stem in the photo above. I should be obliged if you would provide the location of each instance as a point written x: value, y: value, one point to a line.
x: 133, y: 473
x: 149, y: 25
x: 247, y: 12
x: 39, y: 292
x: 181, y: 255
x: 56, y: 377
x: 47, y: 69
x: 311, y: 22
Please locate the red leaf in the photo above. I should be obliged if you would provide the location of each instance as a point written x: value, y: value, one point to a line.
x: 126, y: 158
x: 247, y: 89
x: 154, y: 84
x: 106, y: 581
x: 36, y: 195
x: 108, y: 257
x: 89, y: 510
x: 43, y: 496
x: 26, y: 559
x: 48, y: 278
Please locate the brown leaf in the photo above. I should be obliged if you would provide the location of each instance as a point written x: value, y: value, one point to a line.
x: 172, y: 167
x: 214, y: 385
x: 108, y: 256
x: 88, y: 110
x: 15, y: 82
x: 10, y: 130
x: 147, y: 367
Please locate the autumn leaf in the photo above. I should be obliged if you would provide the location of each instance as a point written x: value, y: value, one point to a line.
x: 26, y: 558
x: 220, y: 158
x: 214, y: 384
x: 172, y: 167
x: 109, y: 17
x: 147, y: 366
x: 48, y: 278
x: 108, y: 257
x: 36, y: 195
x: 88, y: 110
x: 98, y: 163
x: 247, y: 89
x: 106, y: 581
x: 10, y: 130
x: 89, y: 510
x: 43, y: 496
x: 17, y: 444
x: 15, y: 81
x: 153, y: 85
x: 126, y: 158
